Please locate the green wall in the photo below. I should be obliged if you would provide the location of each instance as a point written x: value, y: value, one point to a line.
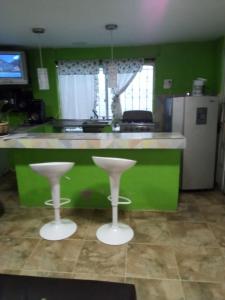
x: 221, y: 64
x: 185, y: 62
x: 181, y: 62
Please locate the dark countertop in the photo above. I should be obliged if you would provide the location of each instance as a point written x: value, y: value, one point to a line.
x: 61, y: 123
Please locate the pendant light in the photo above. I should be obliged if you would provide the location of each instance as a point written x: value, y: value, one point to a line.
x: 42, y: 73
x: 112, y: 69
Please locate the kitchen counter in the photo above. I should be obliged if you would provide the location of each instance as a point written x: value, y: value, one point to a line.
x: 152, y: 184
x: 138, y: 140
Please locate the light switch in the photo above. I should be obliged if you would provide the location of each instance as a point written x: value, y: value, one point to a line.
x: 167, y: 84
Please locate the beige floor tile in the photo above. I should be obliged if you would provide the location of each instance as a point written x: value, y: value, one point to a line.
x: 212, y: 209
x: 43, y: 214
x: 148, y: 215
x: 105, y: 214
x: 22, y: 228
x: 147, y: 230
x: 150, y: 261
x: 101, y: 259
x: 208, y: 198
x: 87, y: 276
x: 215, y: 197
x: 203, y: 291
x: 203, y: 197
x: 9, y: 199
x: 94, y: 225
x: 187, y: 197
x: 45, y: 274
x: 222, y: 250
x: 14, y: 252
x: 81, y: 217
x: 192, y: 234
x: 151, y: 289
x: 184, y: 206
x: 84, y: 214
x: 10, y: 271
x: 187, y: 212
x: 54, y: 256
x: 101, y: 217
x: 219, y: 232
x: 215, y: 217
x: 200, y: 263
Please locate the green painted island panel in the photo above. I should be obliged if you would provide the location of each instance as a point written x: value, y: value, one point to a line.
x: 152, y: 184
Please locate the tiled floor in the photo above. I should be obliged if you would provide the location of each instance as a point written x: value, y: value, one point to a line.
x: 173, y: 256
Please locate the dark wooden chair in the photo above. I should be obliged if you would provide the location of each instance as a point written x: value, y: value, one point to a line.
x: 138, y: 116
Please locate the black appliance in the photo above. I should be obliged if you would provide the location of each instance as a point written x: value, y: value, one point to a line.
x: 16, y: 99
x: 36, y: 112
x: 138, y: 116
x: 137, y: 121
x: 22, y: 100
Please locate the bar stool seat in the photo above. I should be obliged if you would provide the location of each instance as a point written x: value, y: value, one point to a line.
x: 114, y: 233
x: 57, y: 229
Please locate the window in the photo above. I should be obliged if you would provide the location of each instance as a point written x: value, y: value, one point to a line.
x: 137, y: 96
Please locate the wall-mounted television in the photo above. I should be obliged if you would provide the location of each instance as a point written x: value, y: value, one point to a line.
x: 13, y: 68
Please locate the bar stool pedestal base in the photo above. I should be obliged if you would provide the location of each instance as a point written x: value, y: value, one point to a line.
x: 115, y: 235
x: 53, y: 231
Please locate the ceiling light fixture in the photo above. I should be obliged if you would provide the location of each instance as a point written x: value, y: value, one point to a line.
x: 42, y: 73
x: 112, y: 69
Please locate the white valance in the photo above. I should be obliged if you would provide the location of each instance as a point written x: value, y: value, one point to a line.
x: 78, y: 67
x: 91, y: 67
x: 124, y: 66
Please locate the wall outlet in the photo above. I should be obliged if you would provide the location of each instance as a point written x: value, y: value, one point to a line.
x: 167, y: 83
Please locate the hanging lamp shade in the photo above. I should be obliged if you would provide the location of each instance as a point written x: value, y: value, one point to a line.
x: 42, y: 73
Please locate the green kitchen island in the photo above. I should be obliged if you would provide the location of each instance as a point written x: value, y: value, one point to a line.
x: 152, y: 184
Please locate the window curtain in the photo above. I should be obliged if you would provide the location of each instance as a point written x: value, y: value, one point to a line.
x: 78, y: 88
x: 127, y: 69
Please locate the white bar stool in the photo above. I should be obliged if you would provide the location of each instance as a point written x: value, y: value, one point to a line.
x: 114, y: 233
x: 58, y: 229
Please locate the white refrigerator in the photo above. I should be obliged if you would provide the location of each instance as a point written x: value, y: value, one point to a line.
x: 197, y: 119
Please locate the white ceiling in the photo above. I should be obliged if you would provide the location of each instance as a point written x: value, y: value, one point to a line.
x: 74, y: 23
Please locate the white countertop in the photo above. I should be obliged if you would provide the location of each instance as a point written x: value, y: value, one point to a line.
x: 131, y: 140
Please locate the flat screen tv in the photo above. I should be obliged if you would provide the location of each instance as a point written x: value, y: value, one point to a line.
x: 13, y: 68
